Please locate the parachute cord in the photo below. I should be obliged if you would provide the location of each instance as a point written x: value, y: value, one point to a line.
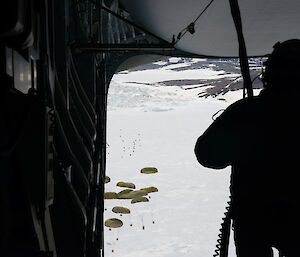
x: 118, y: 232
x: 236, y: 15
x: 191, y: 27
x: 112, y: 243
x: 141, y: 217
x: 152, y: 207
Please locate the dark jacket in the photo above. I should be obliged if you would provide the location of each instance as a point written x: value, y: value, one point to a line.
x: 260, y: 138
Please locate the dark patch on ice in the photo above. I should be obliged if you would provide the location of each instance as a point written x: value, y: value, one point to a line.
x: 216, y: 86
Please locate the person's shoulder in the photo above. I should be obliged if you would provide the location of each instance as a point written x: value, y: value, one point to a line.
x: 245, y: 103
x: 244, y: 107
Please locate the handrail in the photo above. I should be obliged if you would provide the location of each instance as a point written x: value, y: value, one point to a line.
x: 84, y: 114
x: 84, y: 188
x: 73, y: 136
x: 81, y: 91
x: 87, y: 138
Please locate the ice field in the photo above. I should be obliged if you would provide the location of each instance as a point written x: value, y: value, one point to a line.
x: 157, y: 126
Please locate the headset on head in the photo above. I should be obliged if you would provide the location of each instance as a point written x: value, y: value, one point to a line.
x: 283, y: 61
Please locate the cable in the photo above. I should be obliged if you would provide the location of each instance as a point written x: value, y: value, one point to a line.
x: 191, y: 27
x: 214, y: 116
x: 223, y: 241
x: 223, y: 238
x: 124, y: 19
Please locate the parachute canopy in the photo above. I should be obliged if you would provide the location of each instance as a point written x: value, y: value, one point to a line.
x: 264, y: 23
x: 150, y: 189
x: 125, y: 191
x: 126, y: 184
x: 139, y: 199
x: 113, y: 223
x: 132, y: 194
x: 107, y: 179
x: 119, y: 209
x: 110, y: 195
x: 149, y: 170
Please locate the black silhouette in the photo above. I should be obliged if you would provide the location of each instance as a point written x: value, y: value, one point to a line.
x: 260, y: 138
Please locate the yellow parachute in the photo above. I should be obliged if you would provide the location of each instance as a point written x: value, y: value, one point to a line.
x: 138, y: 193
x: 107, y: 179
x: 110, y: 195
x: 133, y: 194
x: 113, y: 223
x: 149, y: 170
x: 124, y: 192
x: 150, y: 189
x: 119, y: 209
x: 140, y: 199
x: 126, y: 184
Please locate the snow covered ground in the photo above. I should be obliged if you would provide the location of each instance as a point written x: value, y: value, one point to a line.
x: 153, y: 125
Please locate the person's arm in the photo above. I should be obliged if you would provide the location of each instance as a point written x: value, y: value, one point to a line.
x: 223, y: 142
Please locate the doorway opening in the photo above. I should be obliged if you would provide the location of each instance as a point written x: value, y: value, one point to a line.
x: 156, y: 112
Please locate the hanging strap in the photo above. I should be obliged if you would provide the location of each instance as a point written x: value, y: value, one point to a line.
x: 236, y: 15
x: 223, y: 241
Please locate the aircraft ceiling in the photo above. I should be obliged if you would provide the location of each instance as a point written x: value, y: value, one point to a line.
x: 265, y: 22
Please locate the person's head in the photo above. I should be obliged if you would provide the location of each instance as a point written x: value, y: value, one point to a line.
x: 282, y: 69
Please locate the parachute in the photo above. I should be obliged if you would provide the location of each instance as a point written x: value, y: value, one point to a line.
x: 138, y: 193
x: 110, y: 195
x: 149, y: 170
x: 119, y: 209
x: 132, y: 194
x: 125, y: 191
x: 126, y: 184
x: 139, y: 199
x: 136, y: 196
x: 107, y: 179
x: 113, y: 223
x: 124, y: 194
x: 150, y: 189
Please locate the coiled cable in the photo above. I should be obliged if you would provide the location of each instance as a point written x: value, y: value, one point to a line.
x: 223, y: 238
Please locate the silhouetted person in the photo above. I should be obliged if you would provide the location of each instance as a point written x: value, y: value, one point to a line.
x: 260, y: 139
